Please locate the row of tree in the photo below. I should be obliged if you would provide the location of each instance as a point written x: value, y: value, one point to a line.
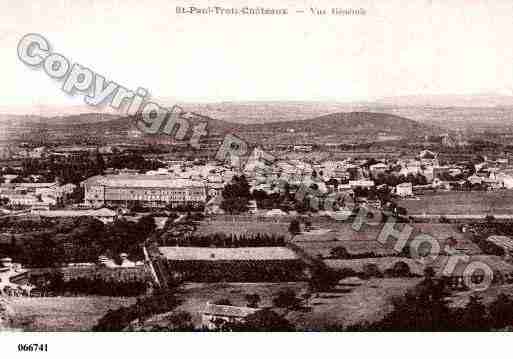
x: 95, y: 286
x: 222, y: 240
x: 119, y: 319
x: 80, y: 167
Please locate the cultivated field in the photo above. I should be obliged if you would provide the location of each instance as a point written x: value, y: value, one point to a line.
x: 496, y: 202
x: 62, y: 313
x: 238, y: 228
x: 365, y: 240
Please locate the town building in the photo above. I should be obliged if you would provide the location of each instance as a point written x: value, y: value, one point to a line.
x: 124, y: 190
x: 378, y: 168
x: 13, y: 278
x: 361, y: 184
x: 404, y: 189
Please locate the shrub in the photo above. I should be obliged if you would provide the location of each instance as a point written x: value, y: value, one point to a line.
x: 294, y: 227
x: 286, y: 298
x: 223, y: 301
x: 253, y: 300
x: 264, y: 320
x: 372, y: 270
x: 401, y: 269
x: 340, y: 253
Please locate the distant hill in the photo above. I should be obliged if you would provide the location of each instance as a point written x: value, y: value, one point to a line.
x: 482, y: 100
x: 336, y: 127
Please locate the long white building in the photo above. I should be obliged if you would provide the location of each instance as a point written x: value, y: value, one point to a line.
x: 124, y: 190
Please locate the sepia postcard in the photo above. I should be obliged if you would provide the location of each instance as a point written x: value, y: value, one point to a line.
x: 324, y: 166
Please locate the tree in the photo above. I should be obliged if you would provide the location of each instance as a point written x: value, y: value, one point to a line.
x: 501, y: 312
x: 286, y: 298
x: 429, y: 273
x: 253, y: 300
x: 119, y: 319
x: 332, y: 182
x: 422, y: 309
x: 146, y: 224
x: 264, y: 320
x: 401, y: 269
x: 179, y: 321
x: 100, y: 162
x: 340, y: 253
x: 444, y: 219
x: 371, y: 270
x: 474, y: 317
x: 223, y: 301
x: 236, y: 195
x: 294, y: 227
x: 401, y: 211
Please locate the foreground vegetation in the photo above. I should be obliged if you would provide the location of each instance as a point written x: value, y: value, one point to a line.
x: 50, y: 243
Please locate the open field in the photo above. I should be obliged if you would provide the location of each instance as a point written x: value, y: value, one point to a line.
x: 62, y: 313
x: 346, y: 304
x: 334, y: 234
x: 196, y: 295
x: 495, y: 202
x: 350, y: 304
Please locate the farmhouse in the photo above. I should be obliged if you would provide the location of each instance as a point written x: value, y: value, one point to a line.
x: 361, y: 184
x: 11, y: 274
x: 213, y: 315
x: 404, y: 189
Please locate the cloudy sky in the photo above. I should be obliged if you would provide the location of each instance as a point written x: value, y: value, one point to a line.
x: 397, y: 48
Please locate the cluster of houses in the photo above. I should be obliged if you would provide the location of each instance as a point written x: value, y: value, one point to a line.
x: 333, y: 175
x: 25, y: 152
x: 13, y: 278
x: 200, y: 185
x: 37, y: 196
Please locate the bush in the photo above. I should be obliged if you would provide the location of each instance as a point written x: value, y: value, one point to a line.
x: 401, y: 269
x: 372, y: 270
x: 501, y: 312
x: 264, y: 320
x: 179, y: 321
x: 253, y: 300
x: 294, y: 227
x: 444, y: 219
x: 223, y: 301
x: 286, y: 298
x: 340, y: 253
